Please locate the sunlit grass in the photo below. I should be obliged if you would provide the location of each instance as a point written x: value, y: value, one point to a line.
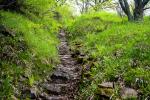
x: 34, y: 49
x: 41, y: 41
x: 119, y: 49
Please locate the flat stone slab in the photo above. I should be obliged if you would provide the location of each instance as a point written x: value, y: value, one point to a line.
x: 60, y: 75
x: 106, y: 85
x: 56, y: 88
x: 65, y: 56
x: 57, y: 98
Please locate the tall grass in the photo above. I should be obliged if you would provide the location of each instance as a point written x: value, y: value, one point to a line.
x: 120, y: 49
x: 29, y: 53
x: 39, y: 40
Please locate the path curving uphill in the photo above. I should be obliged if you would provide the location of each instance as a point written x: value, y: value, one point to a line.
x: 65, y: 79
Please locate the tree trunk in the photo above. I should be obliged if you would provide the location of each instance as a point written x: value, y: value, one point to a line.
x: 138, y: 14
x: 138, y: 11
x: 125, y: 7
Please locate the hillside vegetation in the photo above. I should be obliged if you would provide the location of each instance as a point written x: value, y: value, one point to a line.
x: 28, y: 40
x: 48, y: 53
x: 111, y: 50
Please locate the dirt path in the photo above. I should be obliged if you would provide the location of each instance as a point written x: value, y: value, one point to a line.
x: 64, y: 81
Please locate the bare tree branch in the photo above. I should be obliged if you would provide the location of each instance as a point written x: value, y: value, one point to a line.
x: 146, y: 8
x: 145, y: 2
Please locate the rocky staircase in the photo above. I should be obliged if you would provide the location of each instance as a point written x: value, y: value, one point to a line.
x: 63, y: 84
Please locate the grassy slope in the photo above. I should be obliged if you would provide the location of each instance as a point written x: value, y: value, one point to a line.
x: 113, y: 47
x: 29, y: 55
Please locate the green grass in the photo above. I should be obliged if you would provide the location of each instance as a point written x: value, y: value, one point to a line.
x: 114, y: 48
x: 33, y: 34
x: 32, y: 54
x: 29, y: 55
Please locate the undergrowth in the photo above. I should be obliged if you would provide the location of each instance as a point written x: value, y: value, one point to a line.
x: 28, y: 51
x: 113, y: 48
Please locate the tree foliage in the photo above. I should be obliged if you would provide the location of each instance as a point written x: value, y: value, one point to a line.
x: 96, y: 5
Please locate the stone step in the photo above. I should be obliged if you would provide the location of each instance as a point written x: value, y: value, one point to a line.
x: 62, y: 34
x: 65, y: 56
x: 56, y: 89
x: 68, y: 62
x: 62, y: 47
x: 64, y: 51
x: 66, y: 72
x: 60, y: 75
x: 64, y: 43
x: 67, y: 59
x: 58, y: 81
x: 45, y: 96
x: 67, y: 69
x: 64, y: 78
x: 57, y: 98
x: 63, y: 39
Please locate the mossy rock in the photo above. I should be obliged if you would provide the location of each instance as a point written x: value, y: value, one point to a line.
x: 107, y: 92
x: 105, y: 89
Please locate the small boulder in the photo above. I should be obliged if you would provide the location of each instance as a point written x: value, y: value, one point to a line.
x: 105, y: 89
x: 128, y: 93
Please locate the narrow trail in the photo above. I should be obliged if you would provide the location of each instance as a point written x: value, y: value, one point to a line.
x: 64, y: 81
